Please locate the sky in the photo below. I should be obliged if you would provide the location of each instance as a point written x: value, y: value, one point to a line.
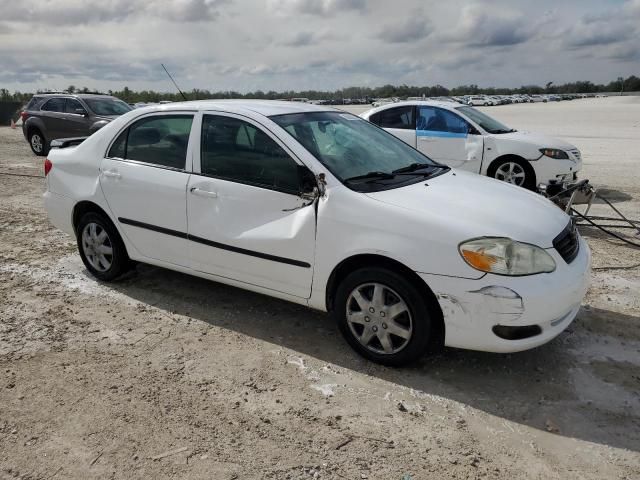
x: 248, y: 45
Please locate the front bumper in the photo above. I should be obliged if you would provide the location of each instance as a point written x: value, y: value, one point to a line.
x: 471, y: 308
x: 549, y: 170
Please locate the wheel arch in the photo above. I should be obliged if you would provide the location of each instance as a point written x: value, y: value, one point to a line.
x: 86, y: 206
x: 350, y: 264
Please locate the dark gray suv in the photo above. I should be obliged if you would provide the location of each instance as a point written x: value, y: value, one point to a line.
x: 59, y: 115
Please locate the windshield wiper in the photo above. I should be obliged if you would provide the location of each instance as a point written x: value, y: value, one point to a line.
x: 412, y: 167
x: 502, y: 130
x: 372, y: 176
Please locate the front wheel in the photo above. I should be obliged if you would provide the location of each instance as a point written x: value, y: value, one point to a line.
x: 101, y: 248
x: 513, y: 171
x: 383, y: 316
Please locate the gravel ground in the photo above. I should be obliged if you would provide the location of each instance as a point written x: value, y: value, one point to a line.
x: 161, y: 375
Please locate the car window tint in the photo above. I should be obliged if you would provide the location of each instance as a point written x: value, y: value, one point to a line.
x: 54, y: 105
x: 118, y: 148
x: 159, y: 140
x: 236, y: 150
x: 399, y: 117
x: 437, y: 120
x: 72, y: 105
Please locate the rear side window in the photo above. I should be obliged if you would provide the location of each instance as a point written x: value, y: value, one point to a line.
x: 398, y: 117
x: 34, y: 103
x: 238, y: 151
x: 158, y: 140
x: 54, y: 105
x: 73, y: 106
x: 437, y: 120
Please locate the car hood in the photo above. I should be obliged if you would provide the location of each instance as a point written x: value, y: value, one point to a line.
x: 468, y: 205
x: 537, y: 139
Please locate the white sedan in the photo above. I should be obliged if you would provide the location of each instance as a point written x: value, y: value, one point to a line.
x: 463, y: 137
x: 321, y: 208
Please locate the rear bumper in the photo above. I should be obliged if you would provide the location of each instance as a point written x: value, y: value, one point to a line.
x: 60, y: 211
x: 471, y: 308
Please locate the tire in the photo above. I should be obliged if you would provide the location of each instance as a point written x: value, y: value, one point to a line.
x: 411, y: 323
x: 509, y: 170
x: 93, y: 227
x: 37, y: 142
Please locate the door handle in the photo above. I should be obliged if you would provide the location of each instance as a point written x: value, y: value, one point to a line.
x: 203, y: 193
x: 112, y: 174
x: 426, y: 139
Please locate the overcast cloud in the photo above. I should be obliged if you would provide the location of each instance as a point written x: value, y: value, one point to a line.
x: 314, y: 44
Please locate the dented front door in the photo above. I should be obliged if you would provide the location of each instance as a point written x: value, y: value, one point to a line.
x: 251, y: 234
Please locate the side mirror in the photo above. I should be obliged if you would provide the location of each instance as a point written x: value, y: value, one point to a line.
x: 80, y: 111
x: 308, y: 184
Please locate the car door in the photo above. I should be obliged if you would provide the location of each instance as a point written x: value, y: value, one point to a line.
x: 52, y: 115
x: 144, y: 180
x: 76, y: 119
x: 399, y: 121
x: 247, y: 221
x: 448, y: 138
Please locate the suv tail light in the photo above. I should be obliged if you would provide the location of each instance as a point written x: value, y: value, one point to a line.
x: 47, y: 166
x: 23, y: 115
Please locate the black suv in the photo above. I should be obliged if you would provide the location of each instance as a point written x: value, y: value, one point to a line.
x: 60, y: 115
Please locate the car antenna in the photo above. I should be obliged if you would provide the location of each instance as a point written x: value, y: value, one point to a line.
x: 174, y: 82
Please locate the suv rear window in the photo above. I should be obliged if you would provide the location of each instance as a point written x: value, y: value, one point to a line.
x: 54, y: 105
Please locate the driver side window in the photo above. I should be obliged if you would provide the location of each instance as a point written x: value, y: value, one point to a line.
x: 236, y: 150
x: 433, y: 121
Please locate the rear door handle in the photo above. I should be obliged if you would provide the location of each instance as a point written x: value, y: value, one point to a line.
x: 203, y: 193
x: 112, y: 174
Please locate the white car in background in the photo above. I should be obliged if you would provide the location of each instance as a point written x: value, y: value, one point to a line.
x: 477, y: 101
x: 466, y: 138
x: 319, y: 207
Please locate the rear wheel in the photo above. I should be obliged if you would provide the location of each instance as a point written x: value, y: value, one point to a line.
x: 37, y: 142
x: 101, y: 248
x: 383, y: 316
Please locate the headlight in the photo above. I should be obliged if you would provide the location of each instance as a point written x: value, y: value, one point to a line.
x: 504, y: 256
x: 555, y: 153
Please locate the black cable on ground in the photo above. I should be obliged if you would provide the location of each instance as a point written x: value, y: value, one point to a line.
x: 21, y: 175
x: 613, y: 234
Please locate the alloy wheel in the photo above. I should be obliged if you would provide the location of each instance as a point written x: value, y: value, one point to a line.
x: 36, y: 142
x: 97, y: 247
x: 511, y: 172
x: 379, y: 318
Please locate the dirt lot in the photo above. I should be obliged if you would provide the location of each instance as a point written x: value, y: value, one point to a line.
x: 162, y: 375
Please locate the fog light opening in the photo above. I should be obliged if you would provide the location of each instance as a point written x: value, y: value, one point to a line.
x: 516, y: 333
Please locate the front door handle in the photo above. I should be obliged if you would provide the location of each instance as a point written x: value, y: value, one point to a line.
x: 112, y: 174
x: 203, y: 193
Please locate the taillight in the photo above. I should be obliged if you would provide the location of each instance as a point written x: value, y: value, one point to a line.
x: 23, y: 115
x: 47, y: 167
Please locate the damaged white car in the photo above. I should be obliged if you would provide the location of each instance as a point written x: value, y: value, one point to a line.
x: 319, y: 207
x: 463, y: 137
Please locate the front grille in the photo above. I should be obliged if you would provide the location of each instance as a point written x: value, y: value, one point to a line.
x: 575, y: 155
x: 567, y: 243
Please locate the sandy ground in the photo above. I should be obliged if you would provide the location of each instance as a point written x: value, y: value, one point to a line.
x: 161, y: 375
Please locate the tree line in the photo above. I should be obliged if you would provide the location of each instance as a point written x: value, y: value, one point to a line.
x: 630, y: 84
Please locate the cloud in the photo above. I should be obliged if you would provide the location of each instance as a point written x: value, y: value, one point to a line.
x: 323, y: 8
x: 483, y: 27
x: 413, y: 29
x: 69, y: 12
x: 307, y: 38
x: 591, y: 31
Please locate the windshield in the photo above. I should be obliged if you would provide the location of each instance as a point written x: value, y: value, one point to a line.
x: 489, y: 124
x: 107, y: 106
x: 356, y: 151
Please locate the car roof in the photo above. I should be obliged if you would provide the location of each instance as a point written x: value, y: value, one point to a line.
x: 79, y: 95
x: 262, y: 107
x: 430, y: 103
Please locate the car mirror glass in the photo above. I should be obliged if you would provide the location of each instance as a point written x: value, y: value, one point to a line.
x: 308, y: 183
